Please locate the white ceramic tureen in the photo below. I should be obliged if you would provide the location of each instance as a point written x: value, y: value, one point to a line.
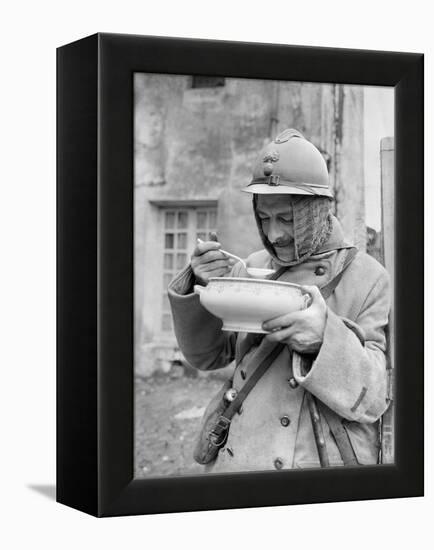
x: 244, y: 304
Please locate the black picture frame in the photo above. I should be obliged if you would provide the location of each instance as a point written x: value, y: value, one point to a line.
x: 95, y: 379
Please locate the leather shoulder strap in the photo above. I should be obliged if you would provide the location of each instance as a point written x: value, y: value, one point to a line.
x: 277, y: 349
x: 340, y: 435
x: 328, y: 289
x: 334, y: 422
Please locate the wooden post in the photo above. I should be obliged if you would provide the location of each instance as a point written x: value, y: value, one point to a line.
x: 388, y: 249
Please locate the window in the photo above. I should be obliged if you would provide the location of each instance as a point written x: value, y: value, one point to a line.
x: 181, y: 229
x: 207, y: 81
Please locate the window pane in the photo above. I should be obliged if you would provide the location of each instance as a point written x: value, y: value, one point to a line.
x: 169, y: 240
x: 201, y: 236
x: 165, y: 304
x: 168, y: 261
x: 201, y: 220
x: 182, y: 220
x: 212, y: 220
x: 182, y: 240
x: 181, y: 261
x: 169, y: 221
x: 166, y: 321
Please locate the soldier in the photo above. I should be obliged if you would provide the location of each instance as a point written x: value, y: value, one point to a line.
x: 320, y: 400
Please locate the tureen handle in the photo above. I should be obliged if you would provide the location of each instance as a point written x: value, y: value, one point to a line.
x: 198, y: 289
x: 307, y: 299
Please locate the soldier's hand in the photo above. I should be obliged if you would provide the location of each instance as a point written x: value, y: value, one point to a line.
x: 207, y: 261
x: 302, y: 331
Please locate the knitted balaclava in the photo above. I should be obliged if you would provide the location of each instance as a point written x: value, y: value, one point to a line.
x: 312, y: 219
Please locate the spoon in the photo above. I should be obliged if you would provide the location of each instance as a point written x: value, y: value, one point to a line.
x: 229, y: 254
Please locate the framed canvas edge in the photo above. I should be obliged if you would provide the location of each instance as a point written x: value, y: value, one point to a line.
x: 76, y: 275
x: 118, y: 493
x: 405, y: 479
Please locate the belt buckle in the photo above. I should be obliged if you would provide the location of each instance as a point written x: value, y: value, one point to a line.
x: 221, y: 428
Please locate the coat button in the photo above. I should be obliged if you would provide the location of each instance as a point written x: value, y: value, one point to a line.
x: 293, y: 383
x: 230, y: 395
x: 285, y: 421
x: 278, y: 463
x: 320, y: 271
x: 243, y: 374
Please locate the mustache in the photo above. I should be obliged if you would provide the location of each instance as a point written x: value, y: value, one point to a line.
x: 280, y: 244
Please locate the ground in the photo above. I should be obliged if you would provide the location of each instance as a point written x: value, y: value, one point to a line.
x: 168, y: 412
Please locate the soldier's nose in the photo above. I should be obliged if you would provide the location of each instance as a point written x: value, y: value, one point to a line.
x: 275, y: 234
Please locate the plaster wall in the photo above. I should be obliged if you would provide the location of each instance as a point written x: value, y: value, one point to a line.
x: 200, y: 144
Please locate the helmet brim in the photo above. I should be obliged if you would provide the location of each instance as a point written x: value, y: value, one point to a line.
x: 266, y: 189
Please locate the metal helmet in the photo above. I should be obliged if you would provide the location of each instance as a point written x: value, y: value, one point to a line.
x: 290, y: 165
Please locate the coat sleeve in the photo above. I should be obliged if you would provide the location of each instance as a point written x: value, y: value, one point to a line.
x: 348, y: 375
x: 200, y: 338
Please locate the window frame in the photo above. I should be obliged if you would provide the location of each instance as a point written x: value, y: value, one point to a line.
x: 167, y: 206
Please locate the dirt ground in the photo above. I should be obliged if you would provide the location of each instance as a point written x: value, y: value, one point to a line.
x: 168, y: 412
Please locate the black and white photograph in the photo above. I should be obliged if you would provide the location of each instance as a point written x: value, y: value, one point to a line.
x: 217, y: 270
x: 263, y: 275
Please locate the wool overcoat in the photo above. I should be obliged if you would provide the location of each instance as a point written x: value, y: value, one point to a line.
x: 273, y: 429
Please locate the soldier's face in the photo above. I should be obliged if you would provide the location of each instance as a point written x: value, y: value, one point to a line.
x: 275, y: 213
